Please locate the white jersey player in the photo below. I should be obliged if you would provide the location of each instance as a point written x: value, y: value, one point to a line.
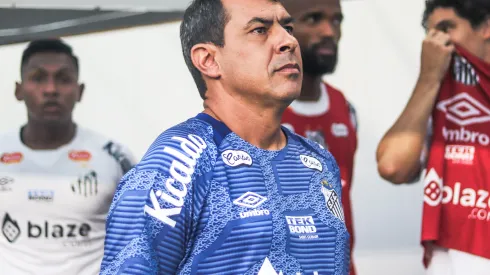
x: 57, y: 179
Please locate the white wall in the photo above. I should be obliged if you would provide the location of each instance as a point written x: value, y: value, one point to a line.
x: 138, y: 85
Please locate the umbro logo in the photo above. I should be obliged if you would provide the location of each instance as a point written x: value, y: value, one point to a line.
x: 250, y: 200
x: 464, y: 110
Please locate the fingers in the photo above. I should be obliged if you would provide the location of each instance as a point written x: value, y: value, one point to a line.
x: 442, y: 38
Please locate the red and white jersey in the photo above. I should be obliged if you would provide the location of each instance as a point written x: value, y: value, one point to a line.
x: 53, y: 203
x: 457, y: 188
x: 330, y: 121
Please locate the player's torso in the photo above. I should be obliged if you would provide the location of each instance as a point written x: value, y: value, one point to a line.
x: 53, y: 208
x: 465, y: 153
x: 270, y: 212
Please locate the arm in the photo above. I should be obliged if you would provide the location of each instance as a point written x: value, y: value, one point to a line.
x: 399, y: 152
x: 150, y: 220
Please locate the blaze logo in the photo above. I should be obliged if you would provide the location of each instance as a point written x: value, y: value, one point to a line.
x: 432, y: 188
x: 181, y: 171
x: 11, y: 158
x: 79, y: 155
x: 10, y: 229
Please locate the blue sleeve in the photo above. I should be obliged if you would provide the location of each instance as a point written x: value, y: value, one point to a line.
x: 151, y: 219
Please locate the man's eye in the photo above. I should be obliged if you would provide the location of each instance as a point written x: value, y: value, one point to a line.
x: 260, y: 30
x: 289, y: 29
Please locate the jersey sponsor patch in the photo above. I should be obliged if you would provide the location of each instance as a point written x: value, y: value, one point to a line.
x: 11, y: 158
x: 80, y: 155
x: 332, y: 200
x: 10, y: 228
x: 339, y: 130
x: 40, y: 195
x: 181, y: 171
x: 6, y: 184
x: 432, y: 188
x: 250, y: 200
x: 302, y: 226
x: 236, y: 158
x: 460, y: 154
x: 311, y: 162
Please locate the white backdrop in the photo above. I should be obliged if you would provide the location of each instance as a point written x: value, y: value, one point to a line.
x: 138, y: 85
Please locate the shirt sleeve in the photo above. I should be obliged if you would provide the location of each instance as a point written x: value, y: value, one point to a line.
x: 150, y: 222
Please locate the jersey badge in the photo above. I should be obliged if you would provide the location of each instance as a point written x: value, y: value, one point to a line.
x: 332, y: 200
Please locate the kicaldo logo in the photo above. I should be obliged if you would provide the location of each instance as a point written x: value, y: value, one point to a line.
x: 437, y: 193
x: 184, y: 160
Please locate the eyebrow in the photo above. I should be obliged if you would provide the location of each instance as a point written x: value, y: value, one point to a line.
x: 269, y: 22
x: 444, y: 24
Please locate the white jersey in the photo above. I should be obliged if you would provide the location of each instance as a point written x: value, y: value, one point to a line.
x: 53, y: 203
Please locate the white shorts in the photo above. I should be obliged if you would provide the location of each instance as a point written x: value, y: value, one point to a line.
x: 453, y: 262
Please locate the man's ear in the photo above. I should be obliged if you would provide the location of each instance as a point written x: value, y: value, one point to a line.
x: 204, y: 59
x: 486, y: 29
x: 18, y: 91
x: 81, y: 90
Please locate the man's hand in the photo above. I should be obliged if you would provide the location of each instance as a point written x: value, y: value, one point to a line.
x: 437, y: 51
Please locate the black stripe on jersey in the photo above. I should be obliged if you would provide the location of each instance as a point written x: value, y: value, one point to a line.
x: 464, y: 72
x: 115, y: 151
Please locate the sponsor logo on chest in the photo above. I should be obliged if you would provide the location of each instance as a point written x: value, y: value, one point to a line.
x: 11, y: 158
x: 436, y: 193
x: 70, y: 234
x: 303, y: 226
x: 311, y: 162
x: 236, y: 158
x: 251, y: 200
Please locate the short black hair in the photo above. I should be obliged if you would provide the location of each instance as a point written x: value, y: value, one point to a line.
x: 475, y: 11
x: 204, y: 22
x: 52, y: 45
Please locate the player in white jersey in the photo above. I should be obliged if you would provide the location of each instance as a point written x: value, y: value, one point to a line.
x: 57, y: 179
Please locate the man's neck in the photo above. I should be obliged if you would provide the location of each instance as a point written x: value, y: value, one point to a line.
x: 311, y: 89
x: 39, y: 136
x: 259, y: 126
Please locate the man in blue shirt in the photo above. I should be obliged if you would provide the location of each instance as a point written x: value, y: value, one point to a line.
x: 230, y: 191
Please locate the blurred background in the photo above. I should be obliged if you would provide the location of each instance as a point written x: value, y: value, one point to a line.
x: 137, y: 85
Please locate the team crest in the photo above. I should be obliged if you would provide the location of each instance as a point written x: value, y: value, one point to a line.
x: 332, y: 200
x: 316, y: 136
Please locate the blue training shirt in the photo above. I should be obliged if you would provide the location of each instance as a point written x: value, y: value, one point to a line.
x: 204, y: 201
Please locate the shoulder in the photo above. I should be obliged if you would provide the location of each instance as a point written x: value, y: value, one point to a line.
x: 108, y: 146
x: 352, y: 110
x: 9, y: 138
x: 316, y: 149
x: 189, y: 144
